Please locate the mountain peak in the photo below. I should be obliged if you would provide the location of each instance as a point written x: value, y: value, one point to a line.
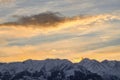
x: 87, y: 60
x: 50, y: 67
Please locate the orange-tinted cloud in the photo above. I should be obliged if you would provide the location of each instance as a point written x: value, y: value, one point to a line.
x: 44, y: 23
x: 70, y: 48
x: 50, y: 19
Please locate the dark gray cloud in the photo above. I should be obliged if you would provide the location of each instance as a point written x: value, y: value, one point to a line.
x: 42, y: 19
x: 66, y: 7
x: 53, y: 19
x: 46, y: 19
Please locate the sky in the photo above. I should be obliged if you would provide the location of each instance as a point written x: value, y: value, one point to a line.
x: 65, y: 29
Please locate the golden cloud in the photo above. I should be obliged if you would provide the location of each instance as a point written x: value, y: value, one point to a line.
x: 44, y: 23
x: 50, y: 19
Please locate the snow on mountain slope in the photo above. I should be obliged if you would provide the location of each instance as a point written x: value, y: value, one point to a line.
x: 35, y: 65
x: 113, y: 67
x: 102, y: 68
x: 52, y: 69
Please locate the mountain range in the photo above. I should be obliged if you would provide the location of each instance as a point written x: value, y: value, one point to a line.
x: 60, y: 69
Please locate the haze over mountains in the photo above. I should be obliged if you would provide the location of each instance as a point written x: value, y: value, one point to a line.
x: 57, y: 69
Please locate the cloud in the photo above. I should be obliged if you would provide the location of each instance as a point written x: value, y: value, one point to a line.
x: 55, y: 20
x: 43, y: 19
x: 44, y: 34
x: 26, y: 28
x: 17, y: 53
x: 5, y: 6
x: 6, y: 1
x: 56, y: 50
x: 66, y: 7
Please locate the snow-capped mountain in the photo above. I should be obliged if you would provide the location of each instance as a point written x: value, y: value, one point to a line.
x: 105, y: 68
x: 56, y: 69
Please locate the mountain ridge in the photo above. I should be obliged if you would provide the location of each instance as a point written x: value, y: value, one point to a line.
x: 60, y: 69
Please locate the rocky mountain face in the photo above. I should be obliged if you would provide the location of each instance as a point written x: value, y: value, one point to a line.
x: 56, y: 69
